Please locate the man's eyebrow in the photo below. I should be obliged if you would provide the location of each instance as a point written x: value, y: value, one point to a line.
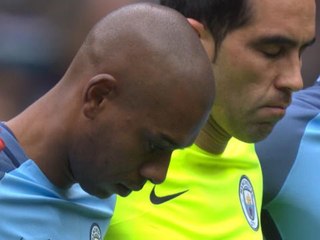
x: 283, y: 41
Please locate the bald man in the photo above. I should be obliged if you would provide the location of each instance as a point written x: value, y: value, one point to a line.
x: 140, y: 86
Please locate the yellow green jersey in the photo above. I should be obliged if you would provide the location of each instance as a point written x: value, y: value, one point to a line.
x: 204, y: 196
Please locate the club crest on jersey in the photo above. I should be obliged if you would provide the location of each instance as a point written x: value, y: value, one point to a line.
x: 248, y: 202
x: 95, y: 232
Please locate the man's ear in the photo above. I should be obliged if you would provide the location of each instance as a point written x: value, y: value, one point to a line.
x: 197, y: 26
x: 100, y: 88
x: 205, y: 36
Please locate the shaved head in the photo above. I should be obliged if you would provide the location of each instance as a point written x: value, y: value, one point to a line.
x: 147, y: 48
x: 140, y: 86
x: 138, y: 39
x: 143, y: 30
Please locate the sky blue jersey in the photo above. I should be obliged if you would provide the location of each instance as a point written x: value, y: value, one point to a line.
x: 32, y: 208
x: 290, y: 160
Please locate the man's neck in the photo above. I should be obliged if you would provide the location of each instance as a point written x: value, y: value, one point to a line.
x: 35, y: 130
x: 212, y: 138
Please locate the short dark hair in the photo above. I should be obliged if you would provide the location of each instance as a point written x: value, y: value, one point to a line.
x: 219, y: 16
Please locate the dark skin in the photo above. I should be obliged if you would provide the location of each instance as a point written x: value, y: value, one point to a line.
x: 130, y: 97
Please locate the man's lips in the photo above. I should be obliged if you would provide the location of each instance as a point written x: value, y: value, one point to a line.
x: 275, y: 109
x: 272, y: 113
x: 279, y: 105
x: 124, y: 190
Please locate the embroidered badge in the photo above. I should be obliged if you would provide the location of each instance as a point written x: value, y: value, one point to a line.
x: 2, y: 145
x: 248, y: 202
x: 95, y: 232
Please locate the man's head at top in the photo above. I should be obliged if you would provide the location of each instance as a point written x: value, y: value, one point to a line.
x: 140, y: 86
x: 218, y: 17
x: 255, y: 47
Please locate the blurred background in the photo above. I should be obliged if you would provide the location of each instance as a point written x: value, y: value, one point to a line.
x: 39, y: 39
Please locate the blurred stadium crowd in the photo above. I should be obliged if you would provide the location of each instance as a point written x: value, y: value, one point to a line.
x: 39, y: 39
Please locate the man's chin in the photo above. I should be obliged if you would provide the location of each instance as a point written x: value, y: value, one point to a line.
x: 102, y: 194
x: 122, y: 190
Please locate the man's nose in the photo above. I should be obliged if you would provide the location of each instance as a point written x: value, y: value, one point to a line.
x: 156, y: 169
x: 291, y: 77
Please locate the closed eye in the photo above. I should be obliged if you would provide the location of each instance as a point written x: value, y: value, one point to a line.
x: 272, y: 51
x: 160, y: 143
x: 154, y: 147
x: 276, y: 46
